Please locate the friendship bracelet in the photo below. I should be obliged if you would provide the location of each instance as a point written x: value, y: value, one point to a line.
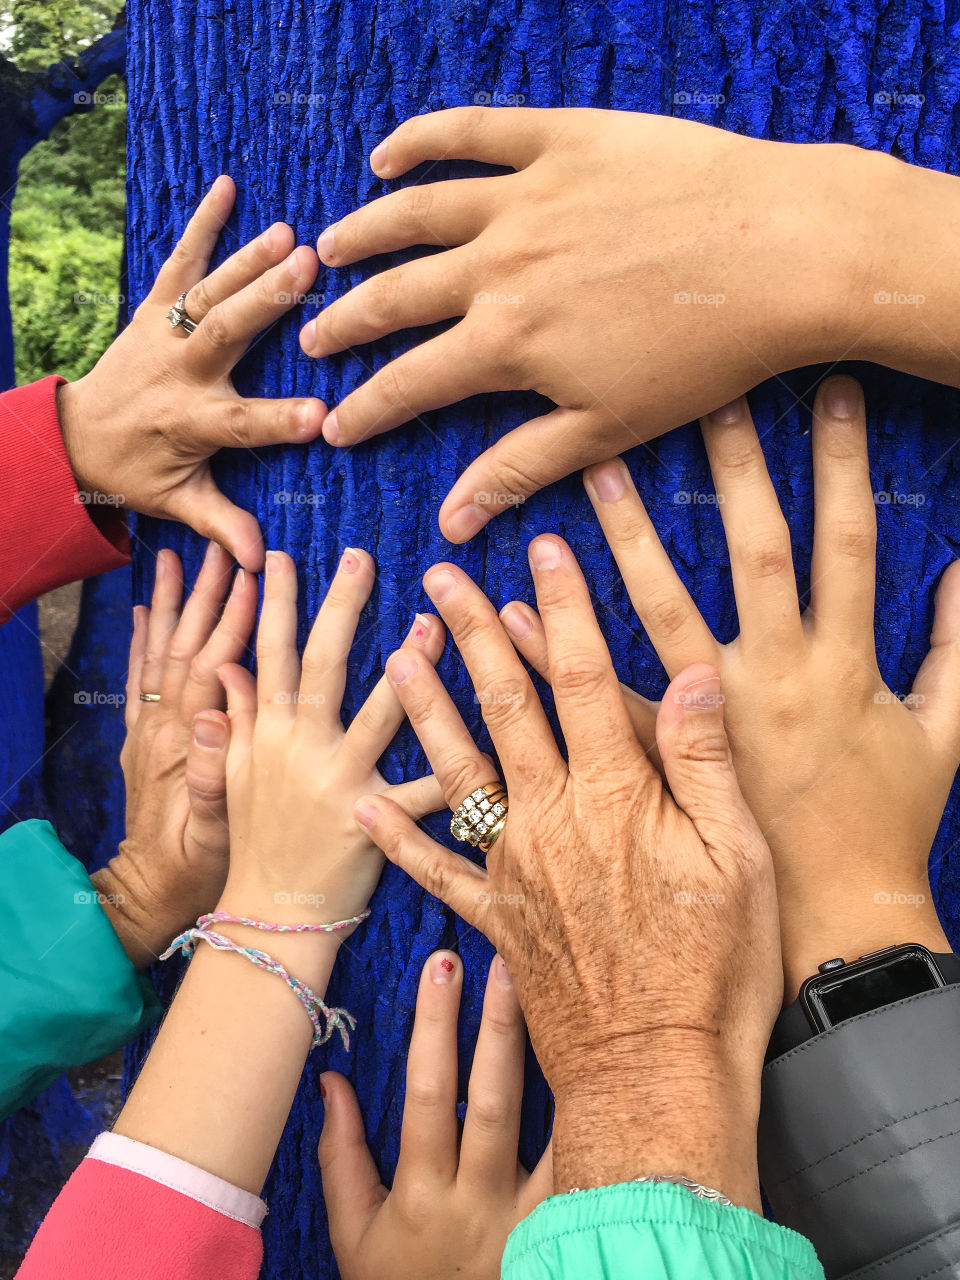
x: 335, y: 1019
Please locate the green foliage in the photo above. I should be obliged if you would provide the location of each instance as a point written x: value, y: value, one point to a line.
x: 35, y: 33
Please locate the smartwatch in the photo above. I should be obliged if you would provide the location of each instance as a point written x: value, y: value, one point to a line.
x: 838, y: 990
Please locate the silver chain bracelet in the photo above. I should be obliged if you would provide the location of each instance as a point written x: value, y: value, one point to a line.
x: 680, y: 1180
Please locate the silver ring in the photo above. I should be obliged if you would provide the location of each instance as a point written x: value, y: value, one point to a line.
x: 149, y: 697
x: 178, y: 317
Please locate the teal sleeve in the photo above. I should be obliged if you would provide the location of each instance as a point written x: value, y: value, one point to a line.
x: 68, y: 992
x: 652, y: 1231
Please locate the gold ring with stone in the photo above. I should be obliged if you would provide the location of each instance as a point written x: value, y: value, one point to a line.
x: 480, y: 819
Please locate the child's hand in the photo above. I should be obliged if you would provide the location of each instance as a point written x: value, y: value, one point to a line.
x: 172, y: 863
x: 294, y: 772
x: 454, y: 1199
x: 847, y: 781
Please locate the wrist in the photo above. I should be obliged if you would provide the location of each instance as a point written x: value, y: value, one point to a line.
x: 71, y: 416
x: 138, y: 924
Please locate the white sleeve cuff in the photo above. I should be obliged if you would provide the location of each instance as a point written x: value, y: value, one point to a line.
x: 233, y: 1202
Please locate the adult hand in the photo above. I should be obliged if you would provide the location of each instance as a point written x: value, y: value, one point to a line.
x: 142, y: 425
x: 589, y: 276
x: 639, y: 924
x: 172, y: 863
x: 847, y: 780
x: 455, y: 1198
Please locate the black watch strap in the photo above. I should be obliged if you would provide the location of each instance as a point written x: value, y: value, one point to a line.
x: 793, y: 1028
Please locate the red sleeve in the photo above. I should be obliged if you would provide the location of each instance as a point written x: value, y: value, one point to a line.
x: 109, y: 1223
x: 47, y: 537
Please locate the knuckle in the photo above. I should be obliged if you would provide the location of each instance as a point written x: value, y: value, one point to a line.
x: 390, y: 385
x: 667, y: 613
x: 488, y: 1112
x: 424, y: 1092
x: 461, y: 774
x: 215, y: 329
x: 701, y: 740
x: 413, y: 208
x: 235, y: 416
x: 766, y: 552
x: 855, y: 536
x: 739, y: 457
x: 381, y: 302
x: 577, y: 675
x: 198, y: 300
x: 504, y: 701
x: 513, y: 476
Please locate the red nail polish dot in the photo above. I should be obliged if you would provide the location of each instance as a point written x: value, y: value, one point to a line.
x: 446, y: 965
x: 323, y: 1091
x: 419, y: 633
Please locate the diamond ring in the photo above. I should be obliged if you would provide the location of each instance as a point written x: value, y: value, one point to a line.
x: 481, y: 817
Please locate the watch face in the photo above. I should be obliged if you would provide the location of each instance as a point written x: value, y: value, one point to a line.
x: 870, y: 984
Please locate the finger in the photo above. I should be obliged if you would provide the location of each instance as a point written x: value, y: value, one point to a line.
x: 420, y: 796
x: 764, y: 582
x: 206, y: 779
x: 663, y: 604
x: 936, y: 689
x: 240, y: 269
x: 843, y: 568
x: 190, y: 259
x: 448, y: 876
x: 586, y: 691
x: 324, y: 675
x: 698, y: 764
x: 229, y: 643
x: 442, y: 213
x: 198, y: 619
x: 138, y: 651
x: 511, y: 709
x: 241, y: 690
x: 538, y: 1185
x: 418, y: 293
x: 164, y: 616
x: 456, y: 760
x: 278, y: 663
x: 506, y: 136
x: 199, y: 504
x: 491, y: 1129
x: 375, y: 725
x: 439, y: 372
x: 525, y: 628
x: 227, y: 330
x: 235, y: 422
x: 527, y: 459
x: 352, y: 1190
x: 428, y: 1136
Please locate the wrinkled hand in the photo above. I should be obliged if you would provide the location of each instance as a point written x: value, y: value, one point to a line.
x: 455, y: 1199
x: 639, y: 924
x: 143, y: 423
x: 172, y: 863
x: 632, y: 270
x: 847, y: 781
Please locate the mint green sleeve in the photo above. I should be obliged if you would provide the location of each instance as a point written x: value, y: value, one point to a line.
x: 68, y: 992
x: 652, y: 1231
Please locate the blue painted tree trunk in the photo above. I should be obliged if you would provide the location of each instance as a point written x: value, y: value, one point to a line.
x: 290, y: 97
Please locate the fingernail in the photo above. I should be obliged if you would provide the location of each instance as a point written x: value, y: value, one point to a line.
x: 502, y: 972
x: 439, y: 585
x: 442, y: 970
x: 211, y: 551
x: 325, y: 244
x: 293, y: 263
x: 421, y: 625
x: 516, y: 621
x: 466, y: 522
x: 350, y: 560
x: 311, y: 416
x: 308, y: 337
x: 331, y: 428
x: 840, y: 397
x: 161, y: 568
x: 544, y: 553
x: 400, y: 668
x: 607, y: 481
x: 702, y: 695
x: 727, y: 413
x: 267, y: 238
x: 209, y: 733
x: 378, y: 157
x: 238, y: 581
x: 365, y: 814
x: 273, y: 563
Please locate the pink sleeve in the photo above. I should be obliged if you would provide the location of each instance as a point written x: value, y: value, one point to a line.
x: 130, y: 1212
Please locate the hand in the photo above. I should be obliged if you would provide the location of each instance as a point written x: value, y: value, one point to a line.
x: 847, y: 781
x: 172, y: 863
x: 144, y: 422
x: 454, y: 1199
x: 294, y: 771
x: 579, y: 276
x: 639, y: 926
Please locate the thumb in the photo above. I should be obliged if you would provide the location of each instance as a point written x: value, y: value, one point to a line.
x: 936, y: 689
x: 351, y: 1184
x: 199, y: 504
x: 206, y: 778
x: 696, y: 758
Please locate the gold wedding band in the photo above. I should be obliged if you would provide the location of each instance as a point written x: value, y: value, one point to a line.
x: 481, y: 818
x: 149, y: 697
